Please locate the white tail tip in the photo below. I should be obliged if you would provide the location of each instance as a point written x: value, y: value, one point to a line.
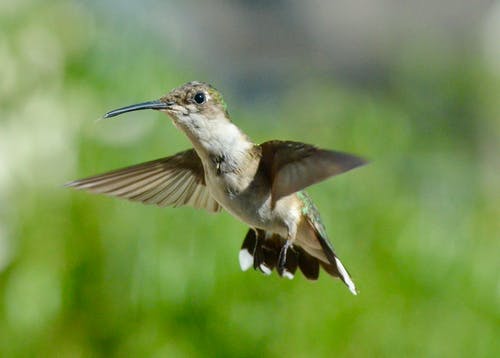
x: 345, y: 277
x: 265, y: 270
x: 246, y: 260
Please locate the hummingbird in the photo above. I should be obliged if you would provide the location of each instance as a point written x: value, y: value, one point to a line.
x: 262, y: 185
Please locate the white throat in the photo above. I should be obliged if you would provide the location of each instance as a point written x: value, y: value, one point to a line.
x: 217, y: 136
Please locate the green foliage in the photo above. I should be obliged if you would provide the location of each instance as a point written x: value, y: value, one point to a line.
x: 84, y: 275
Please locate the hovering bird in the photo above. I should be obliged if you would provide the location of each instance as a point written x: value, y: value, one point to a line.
x: 260, y: 184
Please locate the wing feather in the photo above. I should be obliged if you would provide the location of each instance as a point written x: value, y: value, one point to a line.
x: 293, y: 166
x: 177, y: 180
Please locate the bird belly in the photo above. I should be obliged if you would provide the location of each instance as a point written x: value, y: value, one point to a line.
x: 252, y: 205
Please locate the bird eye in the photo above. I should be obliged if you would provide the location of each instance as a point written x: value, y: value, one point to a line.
x: 199, y: 97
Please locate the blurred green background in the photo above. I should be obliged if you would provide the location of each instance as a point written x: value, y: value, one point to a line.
x: 413, y: 87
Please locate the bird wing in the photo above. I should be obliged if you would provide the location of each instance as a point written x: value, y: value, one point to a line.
x: 293, y: 166
x: 173, y: 181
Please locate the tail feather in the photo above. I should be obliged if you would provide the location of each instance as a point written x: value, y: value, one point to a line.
x: 247, y: 251
x: 261, y: 250
x: 268, y: 251
x: 345, y: 277
x: 334, y: 267
x: 308, y: 264
x: 314, y: 232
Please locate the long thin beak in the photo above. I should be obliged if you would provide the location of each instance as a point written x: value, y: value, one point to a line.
x: 157, y: 105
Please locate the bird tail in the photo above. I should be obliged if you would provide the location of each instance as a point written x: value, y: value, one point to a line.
x: 261, y: 250
x: 334, y: 266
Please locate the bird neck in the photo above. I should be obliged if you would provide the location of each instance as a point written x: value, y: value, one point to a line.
x: 219, y: 138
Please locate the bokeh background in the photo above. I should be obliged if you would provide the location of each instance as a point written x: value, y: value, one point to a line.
x: 413, y: 86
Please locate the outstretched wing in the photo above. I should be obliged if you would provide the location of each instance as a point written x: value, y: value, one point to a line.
x: 293, y: 166
x: 173, y: 181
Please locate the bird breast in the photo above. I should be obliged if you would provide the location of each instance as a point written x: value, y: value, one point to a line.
x: 249, y: 199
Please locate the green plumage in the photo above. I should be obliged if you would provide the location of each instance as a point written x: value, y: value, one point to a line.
x: 217, y: 96
x: 310, y: 211
x: 311, y: 214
